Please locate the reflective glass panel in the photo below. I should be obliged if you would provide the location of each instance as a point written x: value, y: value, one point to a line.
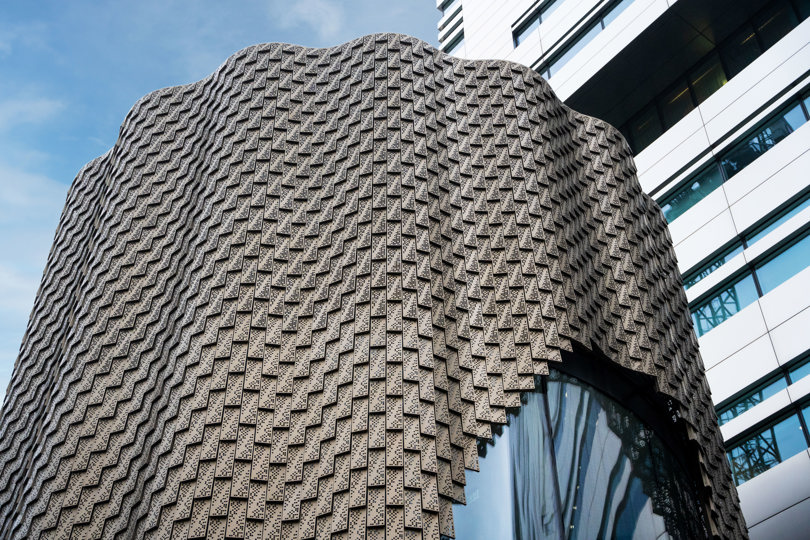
x: 549, y: 8
x: 800, y: 371
x: 572, y: 463
x: 693, y: 192
x: 708, y: 78
x: 676, y: 104
x: 751, y: 399
x: 645, y: 128
x: 806, y: 415
x: 765, y: 138
x: 803, y: 7
x: 456, y: 45
x: 771, y: 227
x: 775, y: 23
x: 766, y: 449
x: 615, y: 12
x: 785, y: 265
x: 583, y: 40
x: 740, y: 50
x: 449, y: 6
x: 530, y: 27
x: 710, y: 267
x: 724, y: 304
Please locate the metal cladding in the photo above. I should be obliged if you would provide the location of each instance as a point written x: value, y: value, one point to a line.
x: 294, y: 294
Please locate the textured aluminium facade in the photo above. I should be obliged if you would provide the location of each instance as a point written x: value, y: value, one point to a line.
x: 294, y: 295
x: 714, y: 98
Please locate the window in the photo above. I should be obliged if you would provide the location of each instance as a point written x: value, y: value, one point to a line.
x: 763, y: 139
x: 696, y: 275
x: 785, y: 265
x: 775, y: 22
x: 568, y: 51
x: 720, y: 306
x: 449, y: 6
x: 800, y: 370
x: 532, y: 23
x: 565, y: 435
x: 729, y: 299
x: 456, y: 44
x: 676, y: 104
x: 774, y: 223
x: 715, y: 69
x: 707, y: 78
x: 745, y: 240
x: 767, y: 448
x: 751, y: 399
x: 764, y: 448
x: 740, y: 50
x: 645, y: 127
x: 689, y: 195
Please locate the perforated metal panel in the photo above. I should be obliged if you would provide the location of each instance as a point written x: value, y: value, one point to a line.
x: 294, y: 294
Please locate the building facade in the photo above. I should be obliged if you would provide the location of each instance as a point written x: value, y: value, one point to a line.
x: 714, y: 99
x: 301, y: 297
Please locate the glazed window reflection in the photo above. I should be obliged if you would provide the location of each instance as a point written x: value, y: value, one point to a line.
x: 613, y: 477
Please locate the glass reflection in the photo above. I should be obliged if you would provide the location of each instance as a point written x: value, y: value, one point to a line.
x: 763, y: 140
x: 785, y: 265
x: 692, y: 193
x: 766, y: 449
x: 574, y: 464
x: 725, y: 303
x: 706, y: 270
x: 751, y: 400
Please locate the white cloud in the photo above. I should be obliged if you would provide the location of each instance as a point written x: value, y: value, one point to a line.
x: 325, y: 17
x: 23, y: 110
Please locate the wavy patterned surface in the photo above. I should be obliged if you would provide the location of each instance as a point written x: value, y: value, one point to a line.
x: 292, y: 296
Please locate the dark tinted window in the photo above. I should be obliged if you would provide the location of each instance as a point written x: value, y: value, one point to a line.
x: 676, y: 104
x: 740, y: 50
x: 707, y: 78
x: 645, y: 128
x: 775, y: 23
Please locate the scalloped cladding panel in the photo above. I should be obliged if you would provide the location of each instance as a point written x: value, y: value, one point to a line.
x: 294, y: 294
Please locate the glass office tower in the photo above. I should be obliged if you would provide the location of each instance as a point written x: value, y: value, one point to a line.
x: 714, y: 100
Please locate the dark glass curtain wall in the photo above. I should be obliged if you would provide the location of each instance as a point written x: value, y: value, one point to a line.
x: 574, y: 464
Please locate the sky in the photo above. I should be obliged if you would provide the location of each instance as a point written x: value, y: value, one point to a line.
x: 71, y: 70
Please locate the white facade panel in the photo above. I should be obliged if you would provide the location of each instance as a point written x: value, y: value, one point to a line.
x: 787, y: 300
x: 732, y: 335
x: 746, y: 366
x: 784, y: 524
x: 755, y: 415
x: 776, y: 489
x: 711, y: 216
x: 792, y: 337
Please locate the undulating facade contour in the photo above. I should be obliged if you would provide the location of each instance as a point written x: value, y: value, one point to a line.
x: 310, y: 295
x: 714, y: 99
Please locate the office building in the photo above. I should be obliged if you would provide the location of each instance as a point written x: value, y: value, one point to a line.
x: 299, y: 298
x: 713, y: 98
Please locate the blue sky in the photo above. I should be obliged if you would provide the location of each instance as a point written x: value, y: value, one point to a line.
x: 71, y: 70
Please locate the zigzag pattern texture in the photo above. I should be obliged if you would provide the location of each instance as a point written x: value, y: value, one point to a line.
x: 292, y: 297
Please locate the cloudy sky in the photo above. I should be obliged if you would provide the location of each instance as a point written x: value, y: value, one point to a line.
x: 70, y: 71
